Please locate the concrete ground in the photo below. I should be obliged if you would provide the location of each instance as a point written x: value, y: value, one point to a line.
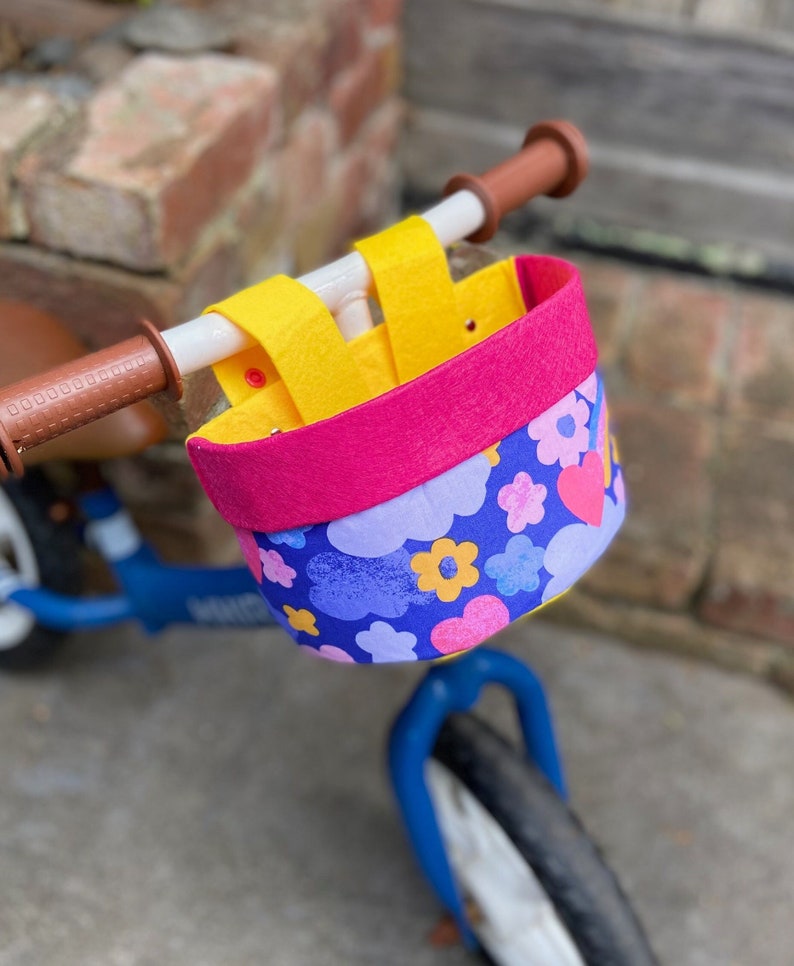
x: 218, y: 798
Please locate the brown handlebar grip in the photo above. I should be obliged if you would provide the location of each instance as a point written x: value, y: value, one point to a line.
x: 552, y: 161
x: 42, y: 407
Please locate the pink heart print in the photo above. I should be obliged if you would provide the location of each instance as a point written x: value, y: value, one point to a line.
x: 581, y: 489
x: 482, y: 617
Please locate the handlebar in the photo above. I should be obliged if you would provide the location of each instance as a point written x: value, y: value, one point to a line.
x: 552, y: 161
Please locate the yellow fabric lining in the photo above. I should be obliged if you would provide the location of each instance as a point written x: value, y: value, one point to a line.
x: 491, y: 297
x: 417, y: 296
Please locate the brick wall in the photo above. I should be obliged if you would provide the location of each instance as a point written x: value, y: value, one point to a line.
x: 180, y: 178
x: 700, y: 374
x: 135, y: 181
x: 153, y: 161
x: 690, y: 149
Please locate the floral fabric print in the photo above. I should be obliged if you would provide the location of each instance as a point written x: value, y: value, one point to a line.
x: 523, y: 501
x: 443, y: 567
x: 447, y: 568
x: 388, y: 644
x: 518, y: 568
x: 292, y: 538
x: 563, y: 431
x: 301, y: 620
x: 274, y: 569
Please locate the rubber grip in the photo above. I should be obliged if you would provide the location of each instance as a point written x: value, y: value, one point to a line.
x: 553, y: 161
x: 45, y: 406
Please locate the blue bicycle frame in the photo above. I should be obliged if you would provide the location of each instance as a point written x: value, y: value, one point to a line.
x: 152, y: 592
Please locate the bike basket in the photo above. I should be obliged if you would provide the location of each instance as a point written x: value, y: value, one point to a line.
x: 409, y: 493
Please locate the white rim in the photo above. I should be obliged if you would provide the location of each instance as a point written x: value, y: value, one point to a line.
x: 516, y: 922
x: 16, y: 549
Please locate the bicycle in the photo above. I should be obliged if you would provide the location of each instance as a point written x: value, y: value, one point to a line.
x: 488, y: 822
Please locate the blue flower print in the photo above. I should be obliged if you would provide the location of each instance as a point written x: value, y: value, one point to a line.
x: 292, y: 538
x: 517, y: 568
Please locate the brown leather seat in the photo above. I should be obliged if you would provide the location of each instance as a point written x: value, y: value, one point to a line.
x: 32, y: 341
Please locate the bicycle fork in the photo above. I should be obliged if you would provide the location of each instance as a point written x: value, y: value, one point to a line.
x: 447, y: 688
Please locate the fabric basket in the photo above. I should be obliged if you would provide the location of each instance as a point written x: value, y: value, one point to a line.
x: 406, y: 495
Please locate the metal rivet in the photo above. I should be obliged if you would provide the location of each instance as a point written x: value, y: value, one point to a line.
x: 471, y: 325
x: 275, y: 431
x: 255, y: 378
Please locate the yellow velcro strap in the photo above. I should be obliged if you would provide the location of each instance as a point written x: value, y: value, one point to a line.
x: 299, y: 340
x: 416, y: 294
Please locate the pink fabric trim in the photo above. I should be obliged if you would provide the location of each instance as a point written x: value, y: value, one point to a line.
x: 397, y: 441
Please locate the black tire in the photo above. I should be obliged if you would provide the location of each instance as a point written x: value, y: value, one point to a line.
x: 565, y: 863
x: 55, y: 546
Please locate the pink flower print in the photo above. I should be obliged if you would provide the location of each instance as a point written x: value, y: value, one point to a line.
x: 523, y: 501
x: 562, y: 432
x: 274, y: 568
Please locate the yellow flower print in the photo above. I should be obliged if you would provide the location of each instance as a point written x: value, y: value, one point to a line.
x: 492, y: 454
x: 446, y: 568
x: 301, y: 620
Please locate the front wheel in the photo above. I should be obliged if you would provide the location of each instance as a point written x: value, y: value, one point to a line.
x: 535, y: 887
x: 45, y: 551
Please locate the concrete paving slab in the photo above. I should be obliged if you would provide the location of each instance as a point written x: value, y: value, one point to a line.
x: 218, y: 798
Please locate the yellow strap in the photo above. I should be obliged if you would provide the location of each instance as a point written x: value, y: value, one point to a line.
x: 492, y: 298
x: 416, y: 294
x: 299, y: 340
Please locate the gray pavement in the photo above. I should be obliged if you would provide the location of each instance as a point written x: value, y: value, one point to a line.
x: 217, y: 798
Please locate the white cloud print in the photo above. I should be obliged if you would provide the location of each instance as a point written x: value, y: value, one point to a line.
x: 575, y: 548
x: 424, y: 513
x: 385, y: 644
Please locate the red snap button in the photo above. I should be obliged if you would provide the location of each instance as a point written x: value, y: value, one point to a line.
x: 255, y: 378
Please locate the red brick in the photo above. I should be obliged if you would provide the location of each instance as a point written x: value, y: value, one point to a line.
x: 24, y: 114
x: 751, y: 586
x: 384, y: 12
x: 317, y: 238
x: 659, y: 556
x: 367, y: 174
x: 761, y: 381
x: 379, y: 141
x: 345, y: 35
x: 351, y: 177
x: 361, y: 88
x: 165, y: 148
x: 610, y: 290
x: 678, y: 340
x: 260, y: 219
x: 306, y: 162
x: 101, y: 305
x: 211, y: 275
x: 295, y: 49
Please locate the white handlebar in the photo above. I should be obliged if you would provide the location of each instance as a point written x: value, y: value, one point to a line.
x: 342, y: 285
